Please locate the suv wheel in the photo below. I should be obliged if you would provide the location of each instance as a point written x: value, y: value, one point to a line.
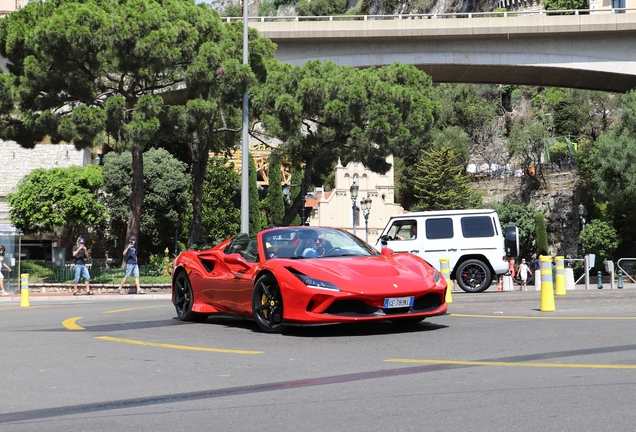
x: 473, y: 276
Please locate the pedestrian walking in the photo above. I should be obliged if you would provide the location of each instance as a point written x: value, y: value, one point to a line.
x: 3, y: 265
x: 524, y: 270
x: 511, y: 267
x: 132, y: 266
x: 80, y: 255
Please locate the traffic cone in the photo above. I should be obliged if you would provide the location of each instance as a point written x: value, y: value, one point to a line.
x: 500, y: 284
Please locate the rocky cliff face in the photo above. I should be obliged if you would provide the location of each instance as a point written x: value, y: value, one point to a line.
x: 375, y: 7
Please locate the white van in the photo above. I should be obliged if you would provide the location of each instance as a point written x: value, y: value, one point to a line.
x: 471, y: 239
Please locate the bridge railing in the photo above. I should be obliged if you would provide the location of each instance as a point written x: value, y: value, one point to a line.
x: 493, y: 14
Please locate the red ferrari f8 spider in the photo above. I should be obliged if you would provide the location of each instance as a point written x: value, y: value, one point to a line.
x: 303, y: 276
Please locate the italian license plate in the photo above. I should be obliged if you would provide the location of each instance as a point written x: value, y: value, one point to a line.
x: 398, y: 302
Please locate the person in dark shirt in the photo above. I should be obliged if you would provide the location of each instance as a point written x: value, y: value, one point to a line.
x: 80, y: 255
x: 132, y: 266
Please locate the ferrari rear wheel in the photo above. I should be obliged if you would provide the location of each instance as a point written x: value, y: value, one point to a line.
x: 184, y: 298
x: 267, y: 304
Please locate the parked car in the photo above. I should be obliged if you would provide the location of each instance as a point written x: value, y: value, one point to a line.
x: 281, y: 277
x: 472, y: 240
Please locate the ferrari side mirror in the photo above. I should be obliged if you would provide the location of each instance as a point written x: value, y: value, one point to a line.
x: 236, y: 259
x: 387, y: 251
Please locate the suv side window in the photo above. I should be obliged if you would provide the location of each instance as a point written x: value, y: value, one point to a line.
x: 439, y: 228
x: 477, y: 226
x: 403, y: 230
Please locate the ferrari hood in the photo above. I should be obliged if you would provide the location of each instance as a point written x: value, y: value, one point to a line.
x: 365, y: 273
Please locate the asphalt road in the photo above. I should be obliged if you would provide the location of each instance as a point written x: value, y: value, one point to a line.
x: 494, y: 363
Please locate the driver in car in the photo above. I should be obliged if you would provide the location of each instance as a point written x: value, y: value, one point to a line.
x: 318, y: 248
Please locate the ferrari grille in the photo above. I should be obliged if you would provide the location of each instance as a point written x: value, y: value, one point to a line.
x: 359, y: 308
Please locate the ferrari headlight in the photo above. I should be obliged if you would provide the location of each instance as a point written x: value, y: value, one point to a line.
x: 316, y: 283
x: 437, y: 276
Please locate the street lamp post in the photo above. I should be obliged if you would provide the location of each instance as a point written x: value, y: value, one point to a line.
x: 354, y: 196
x: 365, y: 204
x: 582, y: 216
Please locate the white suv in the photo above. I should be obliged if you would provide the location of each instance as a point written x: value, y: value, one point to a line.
x: 471, y: 239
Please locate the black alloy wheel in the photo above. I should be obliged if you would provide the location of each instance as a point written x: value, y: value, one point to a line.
x: 184, y: 299
x: 267, y: 304
x: 473, y: 276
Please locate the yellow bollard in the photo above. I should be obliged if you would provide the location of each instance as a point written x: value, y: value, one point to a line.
x: 444, y: 266
x: 560, y: 275
x: 547, y: 290
x: 24, y: 290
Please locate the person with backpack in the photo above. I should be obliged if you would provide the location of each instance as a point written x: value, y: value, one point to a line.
x: 132, y: 266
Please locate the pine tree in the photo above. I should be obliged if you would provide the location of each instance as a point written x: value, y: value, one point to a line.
x: 296, y: 179
x: 441, y: 183
x: 274, y: 202
x: 541, y: 233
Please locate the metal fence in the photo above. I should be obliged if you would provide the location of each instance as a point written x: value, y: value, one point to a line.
x: 98, y: 274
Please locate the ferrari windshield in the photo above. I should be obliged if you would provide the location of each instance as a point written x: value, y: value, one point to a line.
x: 309, y: 242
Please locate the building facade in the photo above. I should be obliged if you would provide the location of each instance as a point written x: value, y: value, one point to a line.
x: 336, y: 208
x: 17, y: 162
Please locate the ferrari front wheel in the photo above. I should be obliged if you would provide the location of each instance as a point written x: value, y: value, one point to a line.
x: 184, y: 298
x: 267, y: 304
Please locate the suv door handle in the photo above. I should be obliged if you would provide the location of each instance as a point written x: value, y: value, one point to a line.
x: 452, y: 250
x: 414, y: 251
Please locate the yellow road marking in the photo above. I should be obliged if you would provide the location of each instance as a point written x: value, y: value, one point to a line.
x: 70, y: 324
x: 181, y: 347
x: 515, y: 364
x: 136, y: 308
x: 545, y: 317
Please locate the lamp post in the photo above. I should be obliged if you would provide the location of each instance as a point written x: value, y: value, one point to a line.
x: 286, y: 194
x: 582, y: 215
x: 354, y: 196
x: 365, y: 204
x: 245, y: 145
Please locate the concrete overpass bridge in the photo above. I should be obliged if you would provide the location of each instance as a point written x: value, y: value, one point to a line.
x: 594, y: 51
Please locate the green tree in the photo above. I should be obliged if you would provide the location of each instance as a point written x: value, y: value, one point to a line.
x: 527, y: 142
x: 167, y: 195
x: 599, y: 238
x: 514, y: 213
x: 233, y: 10
x: 48, y: 199
x: 295, y: 194
x: 84, y: 67
x: 569, y: 117
x: 442, y: 184
x: 541, y: 234
x: 208, y: 117
x: 564, y: 4
x: 221, y: 213
x: 321, y: 7
x: 322, y: 112
x: 470, y: 107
